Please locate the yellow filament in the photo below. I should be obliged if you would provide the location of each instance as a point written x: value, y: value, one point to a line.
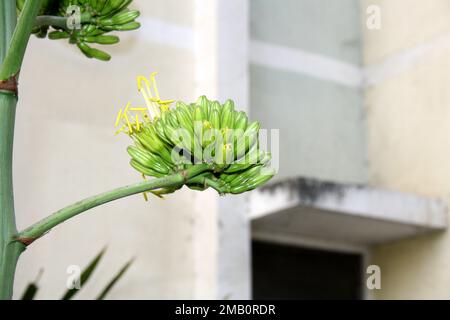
x: 118, y: 118
x: 147, y: 93
x: 138, y: 125
x: 129, y: 116
x: 138, y: 109
x: 119, y: 131
x: 155, y: 87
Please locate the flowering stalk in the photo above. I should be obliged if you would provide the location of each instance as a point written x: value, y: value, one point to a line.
x: 217, y: 148
x: 9, y: 252
x: 13, y: 41
x: 38, y: 229
x: 14, y: 36
x: 58, y: 21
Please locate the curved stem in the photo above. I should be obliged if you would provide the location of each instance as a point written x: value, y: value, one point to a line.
x: 55, y: 21
x: 38, y: 229
x: 58, y: 21
x: 210, y: 183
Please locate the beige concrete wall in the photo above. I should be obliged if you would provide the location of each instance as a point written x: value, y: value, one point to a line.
x: 408, y: 114
x: 65, y: 150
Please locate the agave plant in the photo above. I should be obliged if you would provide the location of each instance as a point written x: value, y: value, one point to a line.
x: 202, y: 144
x: 33, y: 287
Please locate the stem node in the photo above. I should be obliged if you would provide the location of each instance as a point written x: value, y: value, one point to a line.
x: 10, y: 84
x: 25, y: 240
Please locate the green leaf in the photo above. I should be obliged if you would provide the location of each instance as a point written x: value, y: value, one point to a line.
x: 114, y: 280
x: 85, y: 275
x: 32, y: 288
x: 30, y: 291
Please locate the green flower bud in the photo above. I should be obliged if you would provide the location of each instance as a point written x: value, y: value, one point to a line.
x: 202, y: 132
x: 126, y: 27
x: 56, y: 35
x: 97, y: 18
x: 102, y: 39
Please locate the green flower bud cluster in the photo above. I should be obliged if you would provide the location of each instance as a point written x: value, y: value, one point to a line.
x: 48, y: 7
x: 97, y: 18
x: 198, y: 133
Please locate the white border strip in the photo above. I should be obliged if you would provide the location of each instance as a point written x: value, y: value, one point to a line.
x: 296, y: 60
x: 402, y: 61
x: 300, y: 61
x: 326, y: 68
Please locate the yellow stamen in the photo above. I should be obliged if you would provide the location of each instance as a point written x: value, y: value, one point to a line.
x: 144, y: 193
x: 147, y: 94
x: 165, y: 101
x: 118, y: 118
x: 139, y: 80
x: 119, y: 131
x: 133, y: 118
x: 128, y: 123
x: 138, y: 125
x: 155, y: 87
x: 138, y: 109
x: 157, y: 193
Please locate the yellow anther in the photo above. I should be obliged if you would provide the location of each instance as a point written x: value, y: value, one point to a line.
x: 139, y: 80
x: 207, y: 124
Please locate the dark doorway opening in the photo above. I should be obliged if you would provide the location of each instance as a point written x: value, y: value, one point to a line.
x: 292, y: 272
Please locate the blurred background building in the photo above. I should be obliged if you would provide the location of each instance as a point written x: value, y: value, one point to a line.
x: 358, y: 91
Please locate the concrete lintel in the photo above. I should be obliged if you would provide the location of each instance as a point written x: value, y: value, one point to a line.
x: 346, y: 212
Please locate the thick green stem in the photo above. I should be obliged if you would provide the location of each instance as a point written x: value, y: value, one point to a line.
x: 8, y: 252
x: 13, y: 42
x: 40, y: 228
x: 7, y: 25
x: 58, y: 21
x: 8, y: 101
x: 11, y: 254
x: 18, y: 44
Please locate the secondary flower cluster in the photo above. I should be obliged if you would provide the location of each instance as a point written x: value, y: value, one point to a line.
x: 168, y: 140
x: 92, y: 21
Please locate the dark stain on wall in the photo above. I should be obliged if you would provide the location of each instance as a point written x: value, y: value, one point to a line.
x: 309, y: 190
